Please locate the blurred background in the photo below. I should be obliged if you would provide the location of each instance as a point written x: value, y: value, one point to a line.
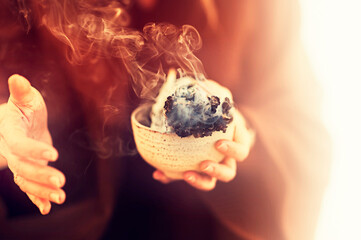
x: 331, y: 33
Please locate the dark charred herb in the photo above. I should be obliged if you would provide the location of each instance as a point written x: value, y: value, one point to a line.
x: 226, y: 105
x: 201, y: 119
x: 214, y: 103
x: 169, y: 103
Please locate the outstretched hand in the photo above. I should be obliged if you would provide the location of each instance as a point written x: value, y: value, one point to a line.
x: 225, y: 171
x: 26, y: 144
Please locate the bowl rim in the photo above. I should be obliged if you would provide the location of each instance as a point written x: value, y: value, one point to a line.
x: 138, y: 124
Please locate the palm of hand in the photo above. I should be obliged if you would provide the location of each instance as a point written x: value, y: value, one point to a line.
x: 26, y: 145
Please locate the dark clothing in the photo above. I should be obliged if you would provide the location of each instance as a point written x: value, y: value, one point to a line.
x: 278, y: 189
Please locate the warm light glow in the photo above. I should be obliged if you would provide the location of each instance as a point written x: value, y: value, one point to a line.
x: 332, y: 36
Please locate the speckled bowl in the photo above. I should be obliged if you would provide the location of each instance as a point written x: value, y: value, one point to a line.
x: 170, y: 153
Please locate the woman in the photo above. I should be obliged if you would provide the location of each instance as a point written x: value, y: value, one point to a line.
x: 251, y: 48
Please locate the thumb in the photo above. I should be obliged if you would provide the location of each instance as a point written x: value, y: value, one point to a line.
x: 20, y: 90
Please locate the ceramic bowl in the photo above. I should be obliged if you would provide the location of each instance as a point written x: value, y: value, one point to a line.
x: 170, y: 153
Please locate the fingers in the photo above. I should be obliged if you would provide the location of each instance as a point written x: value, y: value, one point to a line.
x: 196, y: 180
x: 234, y: 150
x: 20, y: 90
x: 42, y: 183
x: 224, y: 171
x: 41, y: 174
x: 159, y: 176
x: 29, y: 148
x: 200, y: 181
x: 40, y: 191
x: 43, y: 205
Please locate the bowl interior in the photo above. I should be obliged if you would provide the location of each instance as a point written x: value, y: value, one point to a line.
x: 141, y: 115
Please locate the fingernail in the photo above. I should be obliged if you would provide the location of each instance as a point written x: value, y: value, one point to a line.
x: 61, y: 198
x: 50, y: 155
x: 191, y: 178
x: 55, y: 181
x: 207, y: 168
x: 222, y: 147
x: 55, y: 197
x: 47, y: 208
x: 156, y: 176
x: 41, y: 208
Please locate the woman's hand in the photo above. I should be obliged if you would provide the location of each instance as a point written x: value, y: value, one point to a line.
x: 225, y: 171
x: 26, y: 144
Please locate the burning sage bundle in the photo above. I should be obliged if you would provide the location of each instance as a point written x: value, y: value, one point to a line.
x: 191, y: 107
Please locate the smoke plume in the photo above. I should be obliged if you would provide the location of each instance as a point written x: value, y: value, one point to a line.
x: 95, y: 29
